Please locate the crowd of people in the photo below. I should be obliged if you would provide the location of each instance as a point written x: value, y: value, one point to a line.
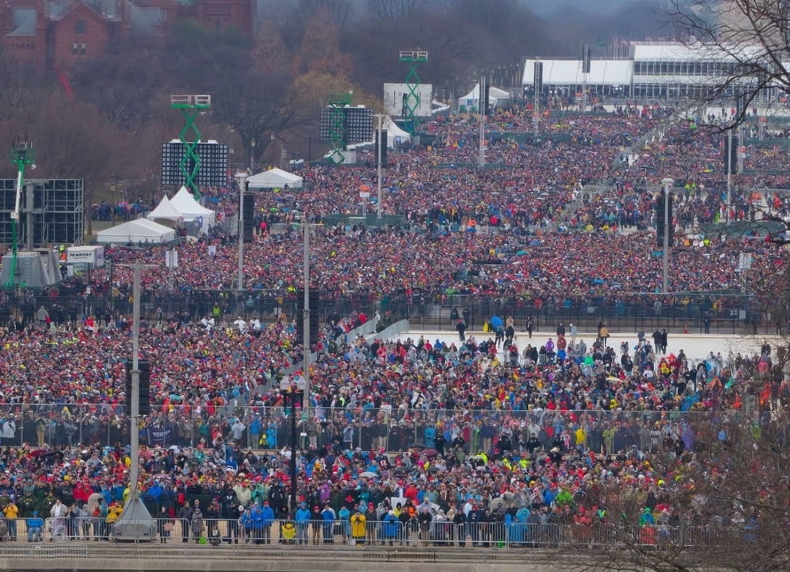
x: 417, y: 433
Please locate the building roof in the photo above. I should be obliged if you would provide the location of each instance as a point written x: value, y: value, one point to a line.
x: 697, y: 52
x: 569, y: 72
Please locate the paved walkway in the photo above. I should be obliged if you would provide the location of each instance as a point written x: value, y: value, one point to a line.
x: 695, y: 346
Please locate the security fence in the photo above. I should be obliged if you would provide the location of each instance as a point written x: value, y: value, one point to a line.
x: 727, y: 312
x: 357, y: 426
x: 389, y: 532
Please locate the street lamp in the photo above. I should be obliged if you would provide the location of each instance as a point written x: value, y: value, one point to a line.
x: 292, y: 390
x: 380, y: 117
x: 274, y: 138
x: 666, y: 189
x: 241, y: 179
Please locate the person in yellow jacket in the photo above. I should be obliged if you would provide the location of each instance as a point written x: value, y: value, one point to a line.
x: 358, y: 527
x: 113, y: 514
x: 10, y: 512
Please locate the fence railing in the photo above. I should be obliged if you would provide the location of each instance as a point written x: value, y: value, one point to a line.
x: 352, y: 426
x: 388, y: 532
x: 728, y: 313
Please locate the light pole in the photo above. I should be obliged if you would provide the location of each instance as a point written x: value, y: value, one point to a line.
x: 135, y: 522
x: 241, y: 178
x: 482, y: 113
x: 306, y: 318
x: 666, y: 189
x: 291, y: 389
x: 378, y: 166
x: 274, y: 138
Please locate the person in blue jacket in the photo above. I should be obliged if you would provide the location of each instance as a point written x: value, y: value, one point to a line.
x: 328, y: 518
x: 267, y: 519
x: 389, y: 529
x: 246, y: 524
x: 35, y: 528
x: 302, y: 522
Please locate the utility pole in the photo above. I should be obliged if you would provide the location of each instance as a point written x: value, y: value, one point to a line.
x: 378, y: 167
x: 135, y: 523
x: 242, y: 187
x: 482, y: 113
x: 667, y: 191
x: 306, y: 319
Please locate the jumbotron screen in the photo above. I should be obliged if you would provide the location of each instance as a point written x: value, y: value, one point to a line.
x: 213, y: 164
x: 357, y: 124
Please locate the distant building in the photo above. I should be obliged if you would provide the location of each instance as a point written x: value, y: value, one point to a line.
x: 653, y: 71
x: 57, y: 33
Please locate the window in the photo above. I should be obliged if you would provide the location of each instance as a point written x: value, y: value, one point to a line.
x: 80, y: 26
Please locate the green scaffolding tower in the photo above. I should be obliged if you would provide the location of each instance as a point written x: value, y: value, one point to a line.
x: 337, y: 128
x: 411, y: 99
x: 22, y: 155
x: 191, y: 106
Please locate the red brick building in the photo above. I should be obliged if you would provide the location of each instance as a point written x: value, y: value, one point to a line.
x: 53, y: 34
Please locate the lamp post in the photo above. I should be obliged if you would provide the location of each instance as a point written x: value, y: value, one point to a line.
x: 291, y: 390
x: 275, y: 137
x: 306, y: 319
x: 666, y: 189
x: 378, y: 166
x: 241, y: 178
x: 482, y: 114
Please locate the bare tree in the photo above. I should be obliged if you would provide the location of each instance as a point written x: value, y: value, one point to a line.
x: 389, y: 10
x: 749, y: 37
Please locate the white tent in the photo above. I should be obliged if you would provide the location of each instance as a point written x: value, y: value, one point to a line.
x: 273, y: 179
x: 395, y: 135
x: 138, y: 230
x: 495, y: 96
x: 165, y: 211
x: 192, y: 210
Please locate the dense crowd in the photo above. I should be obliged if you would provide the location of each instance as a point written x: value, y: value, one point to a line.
x: 482, y: 430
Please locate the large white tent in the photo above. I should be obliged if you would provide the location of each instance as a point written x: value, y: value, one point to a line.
x: 165, y: 211
x: 274, y: 179
x: 192, y: 210
x: 140, y: 230
x: 395, y: 135
x: 495, y: 97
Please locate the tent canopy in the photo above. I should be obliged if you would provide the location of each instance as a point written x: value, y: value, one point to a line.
x: 495, y: 95
x: 394, y: 133
x: 192, y: 210
x: 165, y: 211
x: 275, y: 178
x: 138, y: 230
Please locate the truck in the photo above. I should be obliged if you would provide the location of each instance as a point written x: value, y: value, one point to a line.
x: 93, y: 256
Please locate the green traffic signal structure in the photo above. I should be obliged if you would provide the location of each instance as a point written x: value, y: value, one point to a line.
x: 412, y: 100
x: 337, y: 129
x: 22, y: 155
x: 191, y: 106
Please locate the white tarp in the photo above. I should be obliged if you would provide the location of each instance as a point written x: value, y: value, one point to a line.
x: 136, y: 231
x: 192, y: 210
x: 165, y: 211
x: 275, y: 179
